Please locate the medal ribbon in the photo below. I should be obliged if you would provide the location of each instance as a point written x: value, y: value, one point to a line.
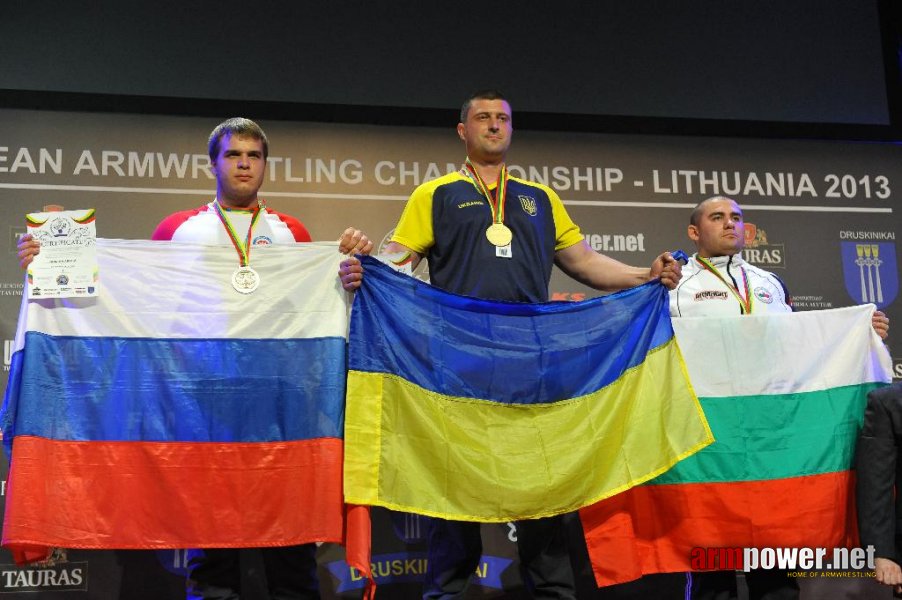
x: 745, y: 306
x: 243, y: 249
x: 496, y: 203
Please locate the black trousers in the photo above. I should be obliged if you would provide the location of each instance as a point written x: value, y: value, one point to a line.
x: 763, y: 584
x: 455, y: 548
x: 215, y: 573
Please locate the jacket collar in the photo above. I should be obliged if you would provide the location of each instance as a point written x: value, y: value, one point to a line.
x: 734, y: 260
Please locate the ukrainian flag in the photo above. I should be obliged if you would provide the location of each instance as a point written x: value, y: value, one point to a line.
x: 486, y: 411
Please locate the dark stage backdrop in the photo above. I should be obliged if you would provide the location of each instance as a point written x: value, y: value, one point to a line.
x: 806, y: 61
x: 811, y: 204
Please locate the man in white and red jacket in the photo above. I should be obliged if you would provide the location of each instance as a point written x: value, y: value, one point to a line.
x: 238, y: 149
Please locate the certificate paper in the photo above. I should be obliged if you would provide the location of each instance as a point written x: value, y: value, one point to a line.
x: 67, y: 264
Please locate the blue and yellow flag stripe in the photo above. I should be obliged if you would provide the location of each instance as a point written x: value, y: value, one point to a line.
x: 484, y: 411
x: 507, y: 352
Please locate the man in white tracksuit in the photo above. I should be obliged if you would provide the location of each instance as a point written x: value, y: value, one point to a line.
x: 717, y: 282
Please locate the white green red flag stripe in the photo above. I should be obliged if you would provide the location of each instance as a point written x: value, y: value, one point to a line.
x: 784, y: 396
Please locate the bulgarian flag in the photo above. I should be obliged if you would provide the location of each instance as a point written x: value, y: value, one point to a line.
x: 785, y: 397
x: 172, y: 411
x: 485, y: 411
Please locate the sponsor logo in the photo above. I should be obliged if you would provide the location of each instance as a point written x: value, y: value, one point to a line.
x: 758, y: 251
x: 619, y: 242
x: 870, y: 272
x: 811, y: 302
x: 410, y: 567
x: 529, y: 205
x: 711, y: 295
x: 402, y: 567
x: 68, y: 577
x: 763, y: 295
x: 261, y: 240
x: 868, y: 235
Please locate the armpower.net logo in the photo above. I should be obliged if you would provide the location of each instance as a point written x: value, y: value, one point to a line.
x: 804, y: 562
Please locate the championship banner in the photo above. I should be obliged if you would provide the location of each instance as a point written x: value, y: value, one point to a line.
x: 172, y: 411
x: 785, y: 397
x: 485, y: 411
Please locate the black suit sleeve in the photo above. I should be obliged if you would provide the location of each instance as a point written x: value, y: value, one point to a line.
x: 877, y: 464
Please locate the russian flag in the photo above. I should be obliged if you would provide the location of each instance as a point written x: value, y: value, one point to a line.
x: 484, y: 411
x: 172, y: 411
x: 785, y: 396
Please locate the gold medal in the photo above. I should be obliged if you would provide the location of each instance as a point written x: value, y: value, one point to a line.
x: 499, y: 234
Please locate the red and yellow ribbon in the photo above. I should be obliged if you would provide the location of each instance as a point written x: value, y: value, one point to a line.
x: 496, y: 203
x: 745, y: 305
x: 243, y: 248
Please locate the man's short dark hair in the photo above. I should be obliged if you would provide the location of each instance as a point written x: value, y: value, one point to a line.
x: 480, y: 95
x: 236, y: 126
x: 696, y: 215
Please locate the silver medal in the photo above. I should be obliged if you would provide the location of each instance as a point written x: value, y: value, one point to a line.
x: 245, y: 280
